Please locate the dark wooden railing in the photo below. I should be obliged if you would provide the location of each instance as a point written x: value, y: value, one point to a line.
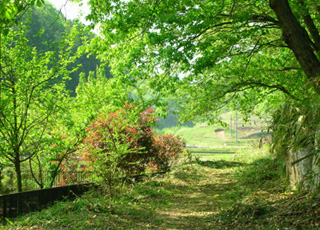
x: 15, y: 204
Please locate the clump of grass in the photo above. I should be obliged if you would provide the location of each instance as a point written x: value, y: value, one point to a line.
x: 252, y: 154
x: 263, y: 198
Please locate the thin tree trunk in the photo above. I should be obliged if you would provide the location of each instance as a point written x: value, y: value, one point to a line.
x: 315, y: 166
x: 19, y: 182
x: 18, y: 173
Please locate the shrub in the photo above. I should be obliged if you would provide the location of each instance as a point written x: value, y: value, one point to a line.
x: 123, y: 143
x: 167, y: 148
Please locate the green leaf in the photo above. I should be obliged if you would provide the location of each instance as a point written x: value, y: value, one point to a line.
x: 5, y: 31
x: 39, y: 3
x: 8, y: 13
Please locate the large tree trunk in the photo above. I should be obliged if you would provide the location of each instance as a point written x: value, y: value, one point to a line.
x: 298, y: 40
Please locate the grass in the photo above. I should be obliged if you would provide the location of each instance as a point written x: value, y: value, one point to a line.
x: 206, y: 153
x: 210, y: 156
x: 206, y: 136
x: 247, y: 191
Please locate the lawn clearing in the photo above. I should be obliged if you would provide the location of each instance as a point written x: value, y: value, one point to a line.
x: 217, y: 137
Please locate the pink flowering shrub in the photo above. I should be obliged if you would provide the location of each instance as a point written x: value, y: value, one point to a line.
x: 124, y: 141
x: 168, y: 149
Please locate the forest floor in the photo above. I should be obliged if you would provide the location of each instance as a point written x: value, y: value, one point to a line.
x: 211, y: 194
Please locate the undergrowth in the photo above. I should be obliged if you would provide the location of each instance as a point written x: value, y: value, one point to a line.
x: 247, y: 192
x: 264, y: 200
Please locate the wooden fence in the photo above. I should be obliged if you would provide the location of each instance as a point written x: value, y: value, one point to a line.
x: 15, y: 204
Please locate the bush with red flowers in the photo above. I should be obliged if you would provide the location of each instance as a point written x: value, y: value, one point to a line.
x: 123, y: 143
x: 168, y: 149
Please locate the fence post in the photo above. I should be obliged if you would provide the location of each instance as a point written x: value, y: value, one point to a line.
x: 4, y: 206
x: 19, y: 204
x: 10, y: 207
x: 39, y: 200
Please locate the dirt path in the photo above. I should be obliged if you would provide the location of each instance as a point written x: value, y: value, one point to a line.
x: 221, y: 133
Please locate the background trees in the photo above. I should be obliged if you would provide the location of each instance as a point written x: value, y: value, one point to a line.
x: 52, y: 25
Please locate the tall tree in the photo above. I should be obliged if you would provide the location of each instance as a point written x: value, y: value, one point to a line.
x: 220, y: 48
x: 211, y: 53
x: 28, y: 100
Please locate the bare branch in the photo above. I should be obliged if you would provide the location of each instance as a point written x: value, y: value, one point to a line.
x: 284, y: 69
x: 302, y: 158
x: 314, y: 32
x: 264, y: 18
x: 250, y: 56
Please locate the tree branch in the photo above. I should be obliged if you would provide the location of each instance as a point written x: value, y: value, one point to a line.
x: 298, y: 41
x: 314, y: 32
x: 264, y: 18
x: 302, y: 158
x: 283, y: 69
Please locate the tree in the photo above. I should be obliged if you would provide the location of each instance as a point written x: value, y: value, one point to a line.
x: 11, y: 11
x: 52, y: 26
x: 224, y: 47
x: 63, y: 143
x: 210, y: 53
x: 28, y: 100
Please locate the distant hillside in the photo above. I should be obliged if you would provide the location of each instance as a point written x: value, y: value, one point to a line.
x: 171, y: 121
x: 227, y: 138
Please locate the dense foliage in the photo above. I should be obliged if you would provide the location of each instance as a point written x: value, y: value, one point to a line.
x: 123, y: 143
x: 12, y: 11
x: 213, y: 53
x: 221, y: 51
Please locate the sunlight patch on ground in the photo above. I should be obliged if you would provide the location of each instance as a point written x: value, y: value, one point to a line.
x: 183, y: 213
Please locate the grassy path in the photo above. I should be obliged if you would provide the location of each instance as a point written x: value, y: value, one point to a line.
x: 185, y: 198
x: 197, y: 197
x: 202, y: 195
